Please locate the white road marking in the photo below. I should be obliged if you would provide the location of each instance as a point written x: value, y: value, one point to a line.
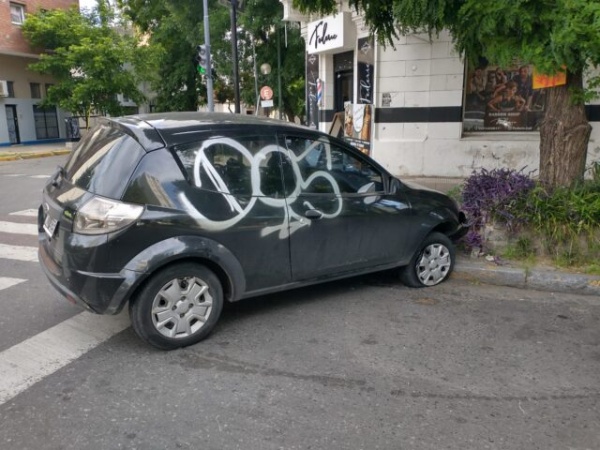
x: 14, y: 175
x: 6, y: 282
x: 35, y: 358
x: 18, y: 252
x: 40, y: 176
x: 18, y: 228
x: 25, y: 212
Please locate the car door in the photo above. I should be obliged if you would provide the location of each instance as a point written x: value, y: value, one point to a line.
x: 237, y: 198
x: 340, y: 216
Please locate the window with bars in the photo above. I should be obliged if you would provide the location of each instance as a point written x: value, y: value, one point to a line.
x: 36, y: 92
x: 17, y: 13
x: 46, y: 122
x: 10, y: 85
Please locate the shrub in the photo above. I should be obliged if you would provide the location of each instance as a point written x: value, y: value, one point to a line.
x: 496, y: 196
x: 563, y: 222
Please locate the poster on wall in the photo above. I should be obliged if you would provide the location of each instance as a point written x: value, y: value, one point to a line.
x: 312, y: 81
x: 366, y: 58
x: 502, y: 99
x: 358, y: 121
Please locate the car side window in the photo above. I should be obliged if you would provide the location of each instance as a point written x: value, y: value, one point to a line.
x: 240, y: 166
x: 326, y: 167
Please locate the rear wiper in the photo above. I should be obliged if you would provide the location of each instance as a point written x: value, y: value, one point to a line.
x: 58, y: 176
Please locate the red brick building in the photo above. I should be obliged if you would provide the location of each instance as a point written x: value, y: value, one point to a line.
x: 22, y: 121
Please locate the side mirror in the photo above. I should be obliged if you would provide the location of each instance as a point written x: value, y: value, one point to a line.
x: 395, y: 185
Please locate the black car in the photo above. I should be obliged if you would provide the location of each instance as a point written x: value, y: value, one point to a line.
x: 177, y: 213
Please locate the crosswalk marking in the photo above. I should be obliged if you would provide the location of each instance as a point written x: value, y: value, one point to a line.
x: 6, y: 282
x: 18, y: 228
x: 18, y: 252
x: 32, y: 360
x: 25, y: 212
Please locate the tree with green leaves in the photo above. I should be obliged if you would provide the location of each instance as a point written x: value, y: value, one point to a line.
x: 553, y: 35
x: 88, y: 57
x: 177, y: 27
x: 172, y: 28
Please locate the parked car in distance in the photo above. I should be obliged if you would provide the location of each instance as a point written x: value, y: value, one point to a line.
x: 174, y: 214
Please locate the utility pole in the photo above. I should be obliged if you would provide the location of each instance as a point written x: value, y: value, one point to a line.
x: 234, y: 51
x: 209, y: 80
x: 279, y: 99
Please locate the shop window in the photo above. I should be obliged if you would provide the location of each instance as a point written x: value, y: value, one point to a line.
x: 502, y: 99
x: 17, y: 13
x: 35, y: 90
x: 46, y: 122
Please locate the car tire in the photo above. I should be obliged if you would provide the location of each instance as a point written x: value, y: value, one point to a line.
x: 177, y: 307
x: 431, y: 264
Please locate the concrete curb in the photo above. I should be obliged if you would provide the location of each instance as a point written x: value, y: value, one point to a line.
x: 538, y: 279
x: 13, y: 156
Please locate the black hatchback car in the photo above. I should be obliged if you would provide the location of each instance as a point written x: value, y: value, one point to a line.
x: 176, y: 213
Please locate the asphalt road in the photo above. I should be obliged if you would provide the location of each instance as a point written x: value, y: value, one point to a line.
x: 364, y: 363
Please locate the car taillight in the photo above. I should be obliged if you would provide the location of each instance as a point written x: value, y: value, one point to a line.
x: 101, y: 215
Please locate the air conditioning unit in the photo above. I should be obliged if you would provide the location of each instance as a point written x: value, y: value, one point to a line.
x: 3, y: 88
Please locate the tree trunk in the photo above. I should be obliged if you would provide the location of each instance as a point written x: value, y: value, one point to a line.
x: 564, y: 135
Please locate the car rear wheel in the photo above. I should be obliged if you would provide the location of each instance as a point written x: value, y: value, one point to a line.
x: 431, y: 264
x: 179, y: 306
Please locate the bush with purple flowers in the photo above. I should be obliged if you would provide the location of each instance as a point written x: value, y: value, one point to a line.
x: 563, y: 223
x: 495, y: 196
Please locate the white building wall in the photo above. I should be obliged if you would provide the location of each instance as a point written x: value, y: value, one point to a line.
x: 424, y: 73
x: 15, y: 68
x: 420, y: 72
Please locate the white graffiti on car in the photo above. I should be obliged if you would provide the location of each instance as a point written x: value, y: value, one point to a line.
x: 292, y: 221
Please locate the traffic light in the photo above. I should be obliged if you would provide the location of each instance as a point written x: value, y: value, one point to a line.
x: 202, y: 58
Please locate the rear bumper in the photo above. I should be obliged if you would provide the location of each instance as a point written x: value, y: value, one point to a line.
x: 101, y: 293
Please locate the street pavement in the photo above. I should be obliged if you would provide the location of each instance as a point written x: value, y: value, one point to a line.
x: 467, y: 268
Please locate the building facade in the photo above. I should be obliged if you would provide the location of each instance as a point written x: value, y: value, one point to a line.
x: 426, y: 112
x: 22, y: 120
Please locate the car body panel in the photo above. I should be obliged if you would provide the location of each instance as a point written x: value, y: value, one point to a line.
x: 254, y: 218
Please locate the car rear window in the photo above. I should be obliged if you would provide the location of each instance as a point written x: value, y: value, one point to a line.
x: 103, y: 161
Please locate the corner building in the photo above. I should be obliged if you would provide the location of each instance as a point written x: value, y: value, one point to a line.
x: 432, y: 114
x: 22, y: 120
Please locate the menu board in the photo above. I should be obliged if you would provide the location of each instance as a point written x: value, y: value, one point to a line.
x: 358, y: 121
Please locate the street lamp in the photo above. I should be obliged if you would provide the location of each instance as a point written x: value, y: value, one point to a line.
x: 265, y: 68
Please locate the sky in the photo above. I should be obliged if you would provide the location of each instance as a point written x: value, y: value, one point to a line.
x: 89, y: 4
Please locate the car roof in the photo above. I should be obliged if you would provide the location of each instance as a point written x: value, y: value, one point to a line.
x: 159, y: 129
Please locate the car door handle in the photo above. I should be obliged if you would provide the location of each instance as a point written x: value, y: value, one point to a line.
x: 313, y: 214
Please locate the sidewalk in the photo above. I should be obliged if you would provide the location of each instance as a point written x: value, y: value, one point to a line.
x: 472, y: 269
x: 16, y: 152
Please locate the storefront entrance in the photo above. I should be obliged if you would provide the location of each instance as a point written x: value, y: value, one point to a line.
x: 343, y: 66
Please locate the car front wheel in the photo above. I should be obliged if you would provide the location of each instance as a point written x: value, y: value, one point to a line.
x: 431, y: 264
x: 178, y: 306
